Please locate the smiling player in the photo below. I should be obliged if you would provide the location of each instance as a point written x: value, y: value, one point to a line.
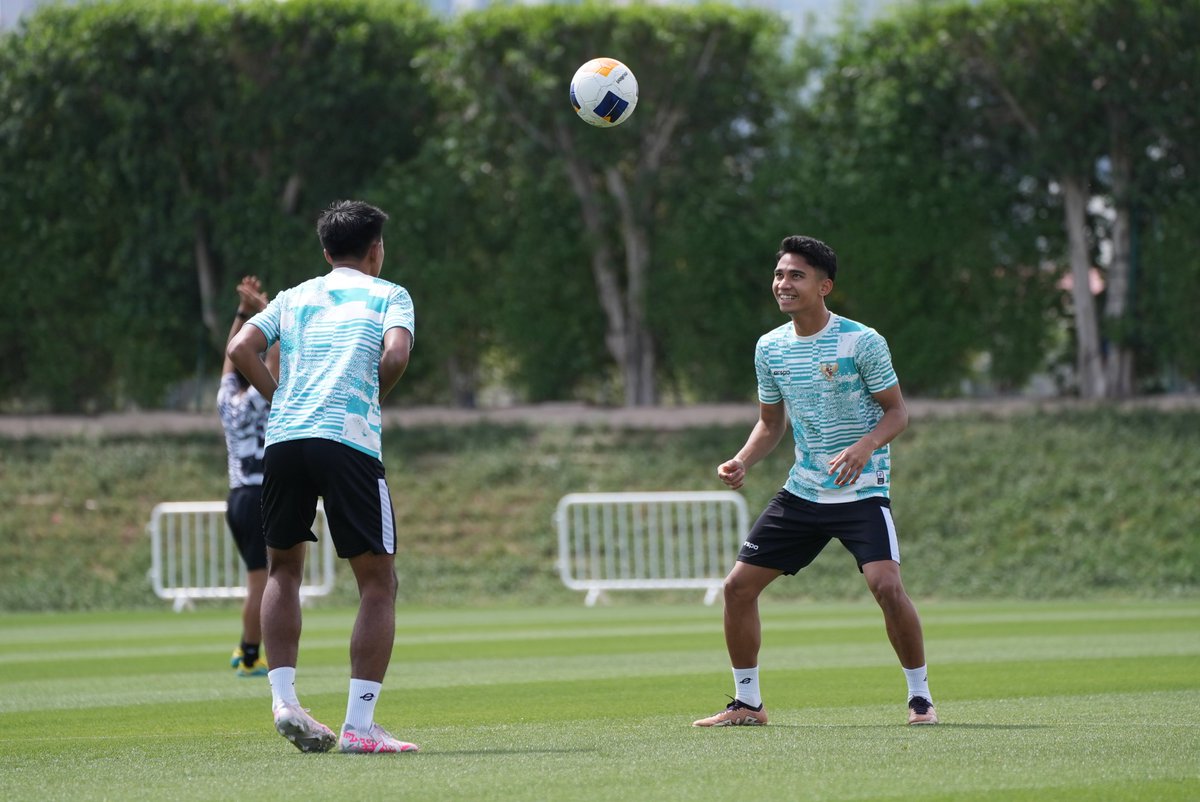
x: 833, y: 378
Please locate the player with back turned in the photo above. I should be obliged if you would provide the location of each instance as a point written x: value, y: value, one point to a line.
x: 833, y: 379
x: 344, y: 343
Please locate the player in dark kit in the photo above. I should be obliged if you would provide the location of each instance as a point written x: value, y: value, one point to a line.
x: 243, y: 412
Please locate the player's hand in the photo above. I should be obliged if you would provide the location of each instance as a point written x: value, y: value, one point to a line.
x: 732, y: 473
x: 251, y: 298
x: 847, y: 466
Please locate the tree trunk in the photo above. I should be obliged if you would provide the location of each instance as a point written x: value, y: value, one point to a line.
x: 206, y: 277
x: 626, y: 337
x: 641, y: 386
x: 1090, y: 361
x: 1117, y: 312
x: 464, y: 381
x: 290, y: 198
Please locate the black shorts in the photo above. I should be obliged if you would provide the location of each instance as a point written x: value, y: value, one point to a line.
x: 358, y: 505
x: 243, y: 512
x: 792, y: 531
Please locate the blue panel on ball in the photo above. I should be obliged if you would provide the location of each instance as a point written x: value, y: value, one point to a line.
x: 574, y: 102
x: 611, y: 107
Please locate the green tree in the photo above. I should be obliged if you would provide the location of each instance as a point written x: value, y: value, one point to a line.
x: 1088, y: 92
x: 934, y: 251
x: 704, y: 100
x: 159, y: 152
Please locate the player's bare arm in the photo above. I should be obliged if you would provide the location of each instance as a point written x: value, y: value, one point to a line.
x: 397, y: 344
x: 251, y: 301
x: 243, y: 351
x: 766, y: 434
x: 849, y: 464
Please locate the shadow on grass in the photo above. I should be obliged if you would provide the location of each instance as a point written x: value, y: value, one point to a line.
x: 483, y: 752
x: 940, y: 726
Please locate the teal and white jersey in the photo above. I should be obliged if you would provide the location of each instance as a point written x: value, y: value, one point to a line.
x: 330, y: 332
x: 826, y: 381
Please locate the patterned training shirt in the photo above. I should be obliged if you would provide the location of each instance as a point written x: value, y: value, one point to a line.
x: 244, y: 418
x: 330, y: 332
x: 826, y: 381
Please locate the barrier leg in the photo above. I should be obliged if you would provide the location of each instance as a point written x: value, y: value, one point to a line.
x: 595, y: 595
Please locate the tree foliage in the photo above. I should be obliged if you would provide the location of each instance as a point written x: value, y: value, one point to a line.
x: 705, y: 104
x: 961, y: 157
x: 1071, y: 104
x: 155, y: 153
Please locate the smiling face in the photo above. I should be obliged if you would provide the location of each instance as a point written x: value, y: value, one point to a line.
x: 799, y: 288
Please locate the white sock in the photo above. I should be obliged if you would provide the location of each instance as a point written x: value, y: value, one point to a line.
x: 360, y: 706
x: 283, y: 686
x: 745, y: 680
x: 918, y: 683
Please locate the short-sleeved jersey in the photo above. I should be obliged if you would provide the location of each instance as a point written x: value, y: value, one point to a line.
x: 826, y: 382
x: 330, y: 332
x: 244, y: 418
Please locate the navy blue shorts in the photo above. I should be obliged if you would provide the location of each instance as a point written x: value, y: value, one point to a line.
x: 791, y: 532
x: 358, y: 505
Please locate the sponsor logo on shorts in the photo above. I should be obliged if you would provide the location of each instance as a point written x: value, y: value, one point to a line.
x: 749, y: 545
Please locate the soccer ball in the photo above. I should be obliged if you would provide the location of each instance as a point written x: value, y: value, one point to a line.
x: 604, y: 92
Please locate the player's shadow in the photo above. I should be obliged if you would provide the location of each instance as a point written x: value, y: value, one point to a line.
x: 962, y: 725
x: 483, y: 752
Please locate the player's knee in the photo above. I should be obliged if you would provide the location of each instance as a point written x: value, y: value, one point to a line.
x: 888, y: 591
x: 284, y: 570
x: 737, y: 590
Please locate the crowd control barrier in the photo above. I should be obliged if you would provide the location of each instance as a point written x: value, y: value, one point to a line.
x: 649, y: 541
x: 193, y: 555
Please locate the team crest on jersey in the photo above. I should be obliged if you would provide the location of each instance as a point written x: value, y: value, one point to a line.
x: 828, y: 369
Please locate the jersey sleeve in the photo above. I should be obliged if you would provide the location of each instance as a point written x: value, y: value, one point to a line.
x: 267, y: 321
x: 400, y: 312
x: 768, y: 387
x: 874, y: 362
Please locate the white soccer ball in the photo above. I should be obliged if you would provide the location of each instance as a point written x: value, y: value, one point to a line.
x: 604, y: 92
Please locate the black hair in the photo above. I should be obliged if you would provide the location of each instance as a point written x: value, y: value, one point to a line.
x: 348, y: 229
x: 815, y: 252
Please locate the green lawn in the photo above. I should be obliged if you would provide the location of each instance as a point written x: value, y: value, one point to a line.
x: 1039, y: 701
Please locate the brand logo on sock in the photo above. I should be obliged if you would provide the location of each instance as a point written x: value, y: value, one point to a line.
x: 745, y: 681
x: 368, y: 696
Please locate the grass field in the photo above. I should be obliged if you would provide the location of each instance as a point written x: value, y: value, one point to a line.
x: 1039, y: 701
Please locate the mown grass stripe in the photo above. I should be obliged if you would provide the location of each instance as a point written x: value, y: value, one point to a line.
x: 1047, y: 702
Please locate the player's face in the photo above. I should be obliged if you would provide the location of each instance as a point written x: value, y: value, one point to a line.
x: 798, y: 286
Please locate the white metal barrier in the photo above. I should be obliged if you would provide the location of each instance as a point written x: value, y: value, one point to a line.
x: 649, y: 541
x: 193, y: 555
